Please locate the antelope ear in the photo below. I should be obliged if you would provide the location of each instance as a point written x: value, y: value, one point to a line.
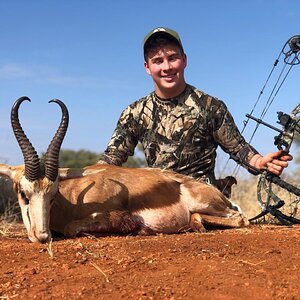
x: 11, y: 172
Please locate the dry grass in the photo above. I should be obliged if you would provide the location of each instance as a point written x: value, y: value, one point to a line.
x: 245, y: 195
x: 10, y: 215
x: 50, y: 250
x: 8, y: 200
x: 12, y: 229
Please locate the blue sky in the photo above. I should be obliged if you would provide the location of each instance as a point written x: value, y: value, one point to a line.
x: 89, y: 55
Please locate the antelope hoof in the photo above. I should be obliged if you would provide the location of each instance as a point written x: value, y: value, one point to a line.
x: 196, y: 223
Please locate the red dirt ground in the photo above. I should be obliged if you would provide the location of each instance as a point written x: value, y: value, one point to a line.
x: 259, y: 262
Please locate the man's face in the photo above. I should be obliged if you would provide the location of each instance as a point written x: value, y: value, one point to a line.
x: 166, y: 66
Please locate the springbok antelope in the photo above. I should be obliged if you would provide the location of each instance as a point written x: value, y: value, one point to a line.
x: 107, y: 199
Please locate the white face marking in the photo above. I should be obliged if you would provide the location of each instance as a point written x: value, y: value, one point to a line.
x: 34, y: 199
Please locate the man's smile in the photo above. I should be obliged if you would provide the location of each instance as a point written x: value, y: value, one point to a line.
x: 169, y: 76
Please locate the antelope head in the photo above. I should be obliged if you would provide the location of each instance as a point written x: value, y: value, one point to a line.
x: 36, y: 182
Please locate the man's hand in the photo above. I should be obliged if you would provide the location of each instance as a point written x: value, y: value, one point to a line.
x: 274, y: 162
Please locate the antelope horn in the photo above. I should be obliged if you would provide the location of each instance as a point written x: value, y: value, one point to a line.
x: 52, y: 153
x: 31, y: 158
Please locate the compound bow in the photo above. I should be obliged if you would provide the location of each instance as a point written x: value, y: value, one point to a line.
x: 283, y: 141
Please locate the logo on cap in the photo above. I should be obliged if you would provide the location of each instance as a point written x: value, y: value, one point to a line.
x: 159, y: 29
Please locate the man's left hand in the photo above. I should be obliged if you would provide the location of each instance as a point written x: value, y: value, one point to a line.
x: 274, y: 162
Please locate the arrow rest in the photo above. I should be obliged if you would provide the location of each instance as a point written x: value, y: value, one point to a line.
x: 290, y: 123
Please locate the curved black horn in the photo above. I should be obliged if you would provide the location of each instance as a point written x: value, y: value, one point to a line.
x: 52, y: 154
x: 31, y: 158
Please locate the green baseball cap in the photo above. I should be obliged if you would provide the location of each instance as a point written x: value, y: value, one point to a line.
x: 163, y: 31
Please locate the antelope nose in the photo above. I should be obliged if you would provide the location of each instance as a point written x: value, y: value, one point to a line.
x: 43, y: 237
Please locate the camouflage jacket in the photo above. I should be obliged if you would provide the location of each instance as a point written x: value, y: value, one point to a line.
x: 180, y: 134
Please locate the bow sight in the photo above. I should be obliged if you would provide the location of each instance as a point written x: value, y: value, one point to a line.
x: 290, y: 124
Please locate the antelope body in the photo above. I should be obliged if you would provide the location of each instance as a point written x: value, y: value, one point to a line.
x: 109, y: 199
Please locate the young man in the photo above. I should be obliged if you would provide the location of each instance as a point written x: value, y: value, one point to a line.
x: 179, y: 126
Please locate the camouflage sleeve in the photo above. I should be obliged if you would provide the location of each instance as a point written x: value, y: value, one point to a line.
x: 228, y: 136
x: 123, y: 140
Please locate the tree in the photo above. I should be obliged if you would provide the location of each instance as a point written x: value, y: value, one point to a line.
x: 138, y: 160
x: 82, y: 158
x: 77, y: 159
